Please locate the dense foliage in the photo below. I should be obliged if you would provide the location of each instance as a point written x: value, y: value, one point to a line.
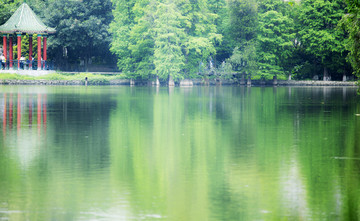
x: 205, y: 38
x: 191, y: 38
x: 81, y: 29
x: 350, y: 23
x: 163, y: 38
x: 7, y: 8
x: 81, y: 36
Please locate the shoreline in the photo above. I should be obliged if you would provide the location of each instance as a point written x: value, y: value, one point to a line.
x: 183, y: 83
x: 190, y: 83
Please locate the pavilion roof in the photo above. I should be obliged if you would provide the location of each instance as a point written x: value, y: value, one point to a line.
x: 24, y: 20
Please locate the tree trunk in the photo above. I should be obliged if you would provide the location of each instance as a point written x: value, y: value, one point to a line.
x: 326, y: 74
x: 242, y: 80
x: 157, y: 82
x: 171, y: 81
x: 275, y: 82
x: 86, y: 64
x: 248, y: 81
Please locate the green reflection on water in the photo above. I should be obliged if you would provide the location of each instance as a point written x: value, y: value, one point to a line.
x: 202, y: 153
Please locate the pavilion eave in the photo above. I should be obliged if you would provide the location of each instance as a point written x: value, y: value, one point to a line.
x: 24, y: 20
x: 27, y: 32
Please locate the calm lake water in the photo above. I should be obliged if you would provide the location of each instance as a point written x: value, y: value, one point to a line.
x: 201, y: 153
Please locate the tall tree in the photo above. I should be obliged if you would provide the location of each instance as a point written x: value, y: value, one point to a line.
x: 120, y: 29
x: 219, y: 8
x: 275, y: 38
x: 350, y: 22
x: 245, y: 60
x: 201, y: 33
x: 139, y: 29
x: 242, y: 29
x: 7, y: 8
x: 243, y: 21
x: 319, y: 34
x: 133, y: 37
x: 168, y: 57
x: 81, y: 29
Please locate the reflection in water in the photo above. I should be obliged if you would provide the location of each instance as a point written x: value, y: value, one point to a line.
x: 9, y: 111
x: 4, y: 114
x: 16, y: 106
x: 30, y: 110
x: 200, y: 153
x: 294, y: 192
x: 254, y: 154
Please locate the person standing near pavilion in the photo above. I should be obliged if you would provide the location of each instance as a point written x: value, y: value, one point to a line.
x: 22, y: 62
x: 32, y: 61
x: 25, y: 21
x: 3, y: 61
x: 42, y: 63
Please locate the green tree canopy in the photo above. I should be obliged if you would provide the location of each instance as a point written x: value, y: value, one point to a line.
x: 350, y: 22
x: 81, y: 29
x: 133, y: 37
x: 275, y: 42
x: 168, y: 57
x: 242, y: 28
x: 7, y: 8
x: 148, y: 42
x: 179, y: 38
x: 318, y: 32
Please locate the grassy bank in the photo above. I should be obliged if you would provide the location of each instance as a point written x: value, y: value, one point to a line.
x: 94, y: 79
x: 121, y: 79
x: 61, y: 76
x: 100, y: 77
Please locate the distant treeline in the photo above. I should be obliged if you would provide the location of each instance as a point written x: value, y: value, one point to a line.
x: 204, y: 38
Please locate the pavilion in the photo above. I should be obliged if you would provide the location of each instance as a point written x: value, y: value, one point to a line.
x: 25, y: 21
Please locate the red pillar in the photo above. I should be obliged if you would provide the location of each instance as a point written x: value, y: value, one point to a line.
x: 39, y: 113
x: 19, y: 49
x: 30, y: 50
x: 5, y: 47
x: 18, y: 114
x: 39, y: 51
x: 4, y: 116
x: 11, y: 53
x: 44, y: 113
x: 30, y: 111
x: 44, y: 48
x: 10, y: 111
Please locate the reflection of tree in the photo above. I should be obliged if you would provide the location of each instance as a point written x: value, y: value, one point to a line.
x: 181, y: 161
x: 323, y: 118
x: 16, y: 117
x: 166, y: 158
x: 80, y: 128
x: 350, y: 165
x: 232, y: 152
x: 201, y: 153
x: 72, y: 144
